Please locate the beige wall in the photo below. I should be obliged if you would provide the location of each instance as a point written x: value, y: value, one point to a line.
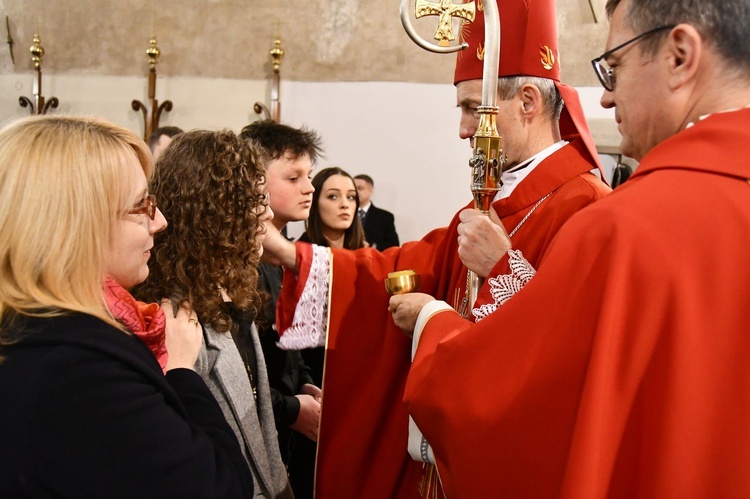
x: 401, y: 127
x: 324, y: 40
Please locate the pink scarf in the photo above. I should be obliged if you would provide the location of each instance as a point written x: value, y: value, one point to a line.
x: 145, y: 320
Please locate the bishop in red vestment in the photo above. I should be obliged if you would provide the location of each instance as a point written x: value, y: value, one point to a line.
x: 620, y: 369
x: 362, y: 447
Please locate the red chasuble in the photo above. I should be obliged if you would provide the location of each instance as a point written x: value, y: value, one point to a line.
x: 362, y: 447
x: 621, y: 369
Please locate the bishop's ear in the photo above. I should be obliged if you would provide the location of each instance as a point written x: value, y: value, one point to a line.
x: 531, y: 99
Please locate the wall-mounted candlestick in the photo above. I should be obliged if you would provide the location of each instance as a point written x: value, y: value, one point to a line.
x: 151, y: 123
x: 275, y: 113
x: 37, y: 106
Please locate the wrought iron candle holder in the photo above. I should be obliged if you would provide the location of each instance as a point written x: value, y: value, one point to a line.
x: 38, y: 105
x: 151, y: 118
x: 275, y: 113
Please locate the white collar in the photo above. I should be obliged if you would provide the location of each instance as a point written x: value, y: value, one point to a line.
x: 514, y: 176
x: 701, y: 118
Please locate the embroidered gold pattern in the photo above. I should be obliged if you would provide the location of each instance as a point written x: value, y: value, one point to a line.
x: 480, y: 51
x: 548, y: 58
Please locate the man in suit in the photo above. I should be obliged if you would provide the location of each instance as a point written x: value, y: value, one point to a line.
x: 379, y: 224
x: 160, y: 139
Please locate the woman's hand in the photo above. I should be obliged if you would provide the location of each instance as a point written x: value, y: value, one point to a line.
x: 184, y: 337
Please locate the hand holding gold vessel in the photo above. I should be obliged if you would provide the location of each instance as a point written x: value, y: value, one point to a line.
x: 401, y: 282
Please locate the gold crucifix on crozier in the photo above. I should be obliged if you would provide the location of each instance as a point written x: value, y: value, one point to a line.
x: 447, y: 10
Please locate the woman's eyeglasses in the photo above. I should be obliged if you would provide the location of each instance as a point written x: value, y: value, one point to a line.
x: 147, y: 207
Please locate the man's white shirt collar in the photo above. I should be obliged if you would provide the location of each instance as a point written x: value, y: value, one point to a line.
x: 511, y: 178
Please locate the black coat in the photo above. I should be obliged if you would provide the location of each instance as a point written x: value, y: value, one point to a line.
x: 287, y: 372
x: 88, y: 413
x: 380, y: 228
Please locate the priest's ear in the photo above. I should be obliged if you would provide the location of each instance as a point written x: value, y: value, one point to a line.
x: 685, y: 50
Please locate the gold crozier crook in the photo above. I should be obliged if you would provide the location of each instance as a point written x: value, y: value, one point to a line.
x: 447, y: 10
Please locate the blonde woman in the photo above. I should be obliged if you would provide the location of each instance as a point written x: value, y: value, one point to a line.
x: 87, y: 411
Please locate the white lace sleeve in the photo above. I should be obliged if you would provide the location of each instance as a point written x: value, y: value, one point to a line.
x: 309, y: 326
x: 505, y: 286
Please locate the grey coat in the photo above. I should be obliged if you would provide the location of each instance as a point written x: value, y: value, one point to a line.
x: 220, y: 365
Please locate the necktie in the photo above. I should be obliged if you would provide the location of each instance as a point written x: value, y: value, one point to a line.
x: 362, y: 214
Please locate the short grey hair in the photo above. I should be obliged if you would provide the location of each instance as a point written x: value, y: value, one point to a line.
x: 509, y: 86
x: 725, y: 24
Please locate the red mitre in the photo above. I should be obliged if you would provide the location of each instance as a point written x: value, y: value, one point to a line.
x: 528, y: 47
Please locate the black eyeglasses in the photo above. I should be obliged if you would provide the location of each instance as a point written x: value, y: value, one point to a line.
x: 147, y: 207
x: 605, y: 75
